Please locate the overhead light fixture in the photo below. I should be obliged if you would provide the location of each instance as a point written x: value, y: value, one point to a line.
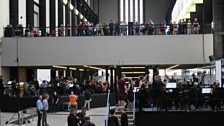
x: 76, y: 12
x: 92, y: 67
x: 10, y: 82
x: 81, y: 16
x: 81, y: 69
x: 71, y: 7
x: 60, y: 67
x: 72, y: 68
x: 65, y: 1
x: 132, y: 67
x: 174, y: 66
x: 21, y: 83
x: 131, y: 77
x: 133, y: 72
x: 198, y: 1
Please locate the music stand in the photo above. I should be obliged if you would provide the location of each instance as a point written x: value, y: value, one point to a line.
x: 206, y: 91
x: 171, y: 85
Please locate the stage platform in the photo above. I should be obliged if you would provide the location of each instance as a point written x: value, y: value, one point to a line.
x: 15, y: 104
x: 179, y: 118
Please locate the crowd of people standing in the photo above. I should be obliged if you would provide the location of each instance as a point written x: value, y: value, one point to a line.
x: 113, y: 29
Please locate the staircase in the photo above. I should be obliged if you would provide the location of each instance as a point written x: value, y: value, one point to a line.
x: 134, y: 71
x: 130, y: 117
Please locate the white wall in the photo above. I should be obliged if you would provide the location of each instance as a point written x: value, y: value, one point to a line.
x: 107, y: 50
x: 4, y: 21
x: 22, y: 12
x: 108, y: 10
x: 4, y: 14
x: 48, y: 15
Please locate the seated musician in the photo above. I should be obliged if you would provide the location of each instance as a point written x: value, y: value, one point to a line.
x: 180, y: 96
x: 194, y: 96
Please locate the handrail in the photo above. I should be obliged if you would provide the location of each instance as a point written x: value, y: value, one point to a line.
x: 107, y: 108
x: 134, y: 110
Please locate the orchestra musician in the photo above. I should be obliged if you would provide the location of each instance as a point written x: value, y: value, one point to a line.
x: 158, y: 89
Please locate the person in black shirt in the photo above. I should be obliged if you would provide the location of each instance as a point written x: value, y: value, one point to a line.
x: 194, y: 96
x: 55, y: 100
x: 124, y: 117
x: 194, y: 79
x: 1, y: 86
x: 88, y: 99
x: 113, y: 120
x: 172, y: 80
x: 72, y: 119
x: 36, y: 84
x: 158, y: 89
x: 88, y: 122
x: 14, y: 87
x: 81, y: 116
x: 111, y: 27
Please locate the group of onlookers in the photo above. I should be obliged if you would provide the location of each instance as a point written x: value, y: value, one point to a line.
x: 74, y: 118
x: 79, y: 119
x: 112, y: 28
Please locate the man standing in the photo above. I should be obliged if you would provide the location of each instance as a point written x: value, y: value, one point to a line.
x: 111, y: 27
x: 124, y: 117
x: 113, y: 120
x: 88, y: 99
x: 39, y: 110
x: 81, y: 116
x: 36, y: 85
x: 45, y: 109
x: 88, y: 122
x: 1, y: 86
x: 55, y: 100
x: 72, y: 120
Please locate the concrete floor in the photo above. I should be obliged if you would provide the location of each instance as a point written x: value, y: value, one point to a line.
x: 97, y: 116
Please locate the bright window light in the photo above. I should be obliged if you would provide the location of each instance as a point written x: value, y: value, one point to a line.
x: 141, y: 11
x: 121, y: 10
x: 126, y: 11
x: 65, y: 1
x: 131, y: 10
x: 136, y: 10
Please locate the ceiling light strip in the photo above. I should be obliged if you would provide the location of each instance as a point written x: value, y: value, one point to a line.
x: 174, y: 66
x: 60, y: 67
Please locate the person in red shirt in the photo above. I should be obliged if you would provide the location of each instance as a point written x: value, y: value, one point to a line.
x: 53, y: 32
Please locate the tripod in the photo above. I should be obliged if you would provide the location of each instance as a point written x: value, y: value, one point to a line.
x: 20, y: 120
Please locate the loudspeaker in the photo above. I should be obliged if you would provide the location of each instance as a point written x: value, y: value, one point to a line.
x: 212, y: 58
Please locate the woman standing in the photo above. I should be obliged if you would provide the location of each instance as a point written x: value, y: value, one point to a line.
x: 189, y: 27
x: 130, y: 94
